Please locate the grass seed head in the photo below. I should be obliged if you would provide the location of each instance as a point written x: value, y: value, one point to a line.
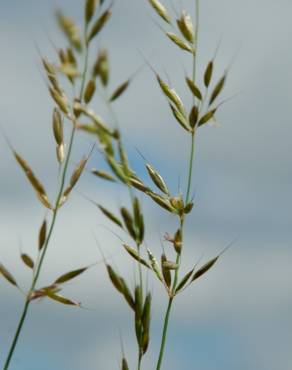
x: 160, y: 10
x: 208, y: 73
x: 179, y: 42
x: 90, y: 6
x: 42, y: 235
x: 89, y: 91
x: 99, y: 24
x: 27, y: 260
x: 217, y: 89
x: 101, y: 67
x: 58, y: 126
x: 157, y: 179
x: 194, y: 89
x: 70, y: 29
x: 193, y: 117
x: 166, y: 272
x: 36, y: 184
x: 186, y: 27
x: 7, y: 275
x: 119, y: 91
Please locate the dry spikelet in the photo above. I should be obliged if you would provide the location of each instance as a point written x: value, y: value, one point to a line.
x: 90, y: 7
x: 60, y: 151
x: 60, y: 299
x: 157, y: 179
x: 99, y: 24
x: 69, y: 70
x: 138, y: 184
x: 127, y: 294
x: 101, y: 67
x: 208, y: 73
x: 70, y: 30
x: 161, y: 201
x: 139, y: 221
x: 90, y: 129
x: 186, y: 27
x: 179, y: 42
x: 171, y: 94
x: 217, y: 89
x: 78, y: 171
x: 73, y: 180
x: 124, y: 159
x: 116, y: 168
x: 38, y: 187
x: 51, y: 74
x: 166, y: 272
x: 160, y: 10
x: 133, y: 253
x: 89, y: 91
x: 60, y: 99
x: 138, y: 313
x: 49, y: 68
x: 62, y: 56
x: 181, y: 118
x: 58, y: 126
x: 154, y: 265
x: 110, y: 216
x: 71, y: 57
x: 146, y: 317
x: 96, y: 120
x: 27, y: 260
x: 42, y: 235
x: 193, y: 117
x: 207, y: 117
x: 194, y: 89
x: 103, y: 175
x: 115, y: 279
x: 119, y: 91
x: 70, y: 275
x: 184, y: 281
x: 177, y: 242
x: 205, y: 268
x: 7, y: 275
x: 125, y: 365
x: 128, y: 221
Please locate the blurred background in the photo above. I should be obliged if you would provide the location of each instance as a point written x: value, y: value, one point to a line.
x: 238, y: 316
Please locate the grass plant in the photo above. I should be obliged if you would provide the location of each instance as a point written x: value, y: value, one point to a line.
x: 87, y: 81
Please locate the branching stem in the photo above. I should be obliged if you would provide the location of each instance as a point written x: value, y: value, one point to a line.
x: 189, y: 185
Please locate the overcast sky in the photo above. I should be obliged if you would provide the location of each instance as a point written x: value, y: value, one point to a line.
x: 237, y: 317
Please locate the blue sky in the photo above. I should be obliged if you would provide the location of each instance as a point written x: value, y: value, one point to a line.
x: 239, y: 316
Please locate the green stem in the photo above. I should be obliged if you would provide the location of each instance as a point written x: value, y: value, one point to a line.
x: 191, y: 163
x: 164, y: 334
x: 178, y: 258
x: 50, y: 232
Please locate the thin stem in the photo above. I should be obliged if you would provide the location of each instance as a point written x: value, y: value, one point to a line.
x: 51, y: 229
x: 164, y: 334
x: 191, y: 163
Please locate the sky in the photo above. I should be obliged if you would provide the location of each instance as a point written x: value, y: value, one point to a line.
x: 236, y: 317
